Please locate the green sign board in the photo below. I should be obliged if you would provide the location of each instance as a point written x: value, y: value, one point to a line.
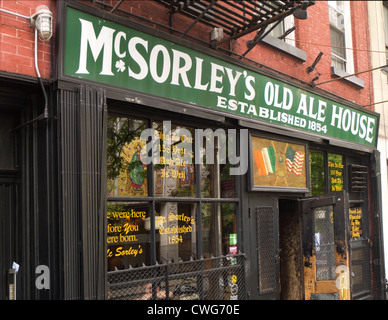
x: 107, y: 52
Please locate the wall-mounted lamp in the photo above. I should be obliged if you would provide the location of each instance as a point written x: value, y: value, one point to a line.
x: 301, y: 11
x: 312, y: 67
x: 216, y: 36
x: 42, y: 20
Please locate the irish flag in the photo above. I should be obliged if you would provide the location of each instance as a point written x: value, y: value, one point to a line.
x: 265, y: 161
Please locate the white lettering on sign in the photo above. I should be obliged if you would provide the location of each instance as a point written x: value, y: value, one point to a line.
x: 104, y: 40
x: 175, y: 63
x: 162, y: 67
x: 360, y: 125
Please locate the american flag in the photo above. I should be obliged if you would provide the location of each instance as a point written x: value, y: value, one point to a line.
x: 294, y: 161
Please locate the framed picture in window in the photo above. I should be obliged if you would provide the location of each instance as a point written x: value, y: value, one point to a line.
x: 277, y: 165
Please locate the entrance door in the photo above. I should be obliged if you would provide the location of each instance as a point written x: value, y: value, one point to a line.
x: 264, y: 247
x: 326, y: 247
x: 9, y: 204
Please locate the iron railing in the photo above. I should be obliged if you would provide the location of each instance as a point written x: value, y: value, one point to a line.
x: 216, y: 278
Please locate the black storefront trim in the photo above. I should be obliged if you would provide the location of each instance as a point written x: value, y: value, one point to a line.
x: 84, y: 278
x: 82, y: 185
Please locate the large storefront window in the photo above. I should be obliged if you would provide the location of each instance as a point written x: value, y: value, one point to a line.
x: 171, y: 214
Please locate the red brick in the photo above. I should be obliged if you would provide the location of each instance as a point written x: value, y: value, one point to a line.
x: 313, y: 40
x: 25, y: 52
x: 10, y: 31
x: 9, y: 48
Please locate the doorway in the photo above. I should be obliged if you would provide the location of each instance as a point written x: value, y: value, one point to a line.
x: 10, y: 206
x: 326, y: 262
x: 290, y: 246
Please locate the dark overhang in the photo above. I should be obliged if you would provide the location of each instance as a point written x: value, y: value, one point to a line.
x: 235, y: 18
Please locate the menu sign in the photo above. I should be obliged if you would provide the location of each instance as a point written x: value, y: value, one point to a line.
x: 336, y: 173
x: 355, y: 216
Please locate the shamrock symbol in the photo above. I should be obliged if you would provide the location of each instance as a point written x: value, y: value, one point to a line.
x: 120, y: 65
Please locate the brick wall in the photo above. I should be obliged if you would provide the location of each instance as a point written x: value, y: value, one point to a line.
x: 312, y: 35
x: 17, y: 39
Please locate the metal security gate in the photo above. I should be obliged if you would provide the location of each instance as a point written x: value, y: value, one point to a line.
x: 267, y: 251
x: 218, y: 278
x: 264, y: 259
x: 82, y: 127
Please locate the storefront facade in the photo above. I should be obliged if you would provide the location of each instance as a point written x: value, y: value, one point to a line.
x: 177, y: 172
x: 290, y: 192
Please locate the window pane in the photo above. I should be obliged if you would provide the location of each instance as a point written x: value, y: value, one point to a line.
x: 278, y: 30
x: 385, y: 18
x: 128, y: 237
x: 338, y: 63
x: 126, y: 173
x: 175, y: 175
x: 337, y: 34
x: 337, y: 40
x: 175, y: 227
x: 336, y: 172
x: 336, y: 17
x: 317, y: 170
x: 228, y: 182
x: 386, y: 55
x: 219, y: 229
x: 337, y: 6
x: 216, y: 181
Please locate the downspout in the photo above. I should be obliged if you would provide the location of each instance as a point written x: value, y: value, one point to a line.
x: 44, y: 115
x: 45, y: 112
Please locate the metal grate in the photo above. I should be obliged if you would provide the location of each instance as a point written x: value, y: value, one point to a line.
x: 220, y: 278
x: 360, y: 261
x: 324, y: 243
x: 359, y: 177
x: 236, y: 18
x: 266, y: 250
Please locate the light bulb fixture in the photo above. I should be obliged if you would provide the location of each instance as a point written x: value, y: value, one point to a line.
x: 42, y: 20
x: 312, y: 67
x: 301, y: 11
